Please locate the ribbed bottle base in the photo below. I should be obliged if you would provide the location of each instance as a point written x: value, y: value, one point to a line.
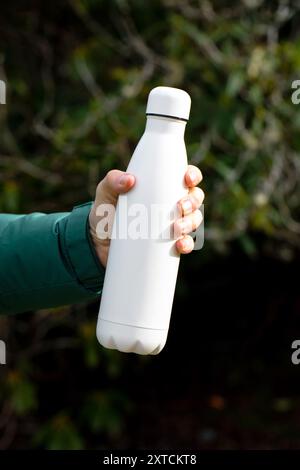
x: 127, y: 338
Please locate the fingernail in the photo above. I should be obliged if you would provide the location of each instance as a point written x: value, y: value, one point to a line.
x: 182, y: 226
x: 186, y: 206
x: 193, y: 176
x: 123, y: 180
x: 185, y: 245
x: 185, y: 227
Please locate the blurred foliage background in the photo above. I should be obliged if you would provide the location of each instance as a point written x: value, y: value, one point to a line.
x: 78, y: 73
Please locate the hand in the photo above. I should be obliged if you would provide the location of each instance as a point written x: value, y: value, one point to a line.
x: 117, y: 182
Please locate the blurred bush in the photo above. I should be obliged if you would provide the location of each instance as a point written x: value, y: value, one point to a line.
x: 78, y: 74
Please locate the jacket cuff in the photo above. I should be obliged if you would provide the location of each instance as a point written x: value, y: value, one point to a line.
x: 80, y: 251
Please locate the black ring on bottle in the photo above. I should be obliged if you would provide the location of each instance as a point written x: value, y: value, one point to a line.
x: 167, y: 116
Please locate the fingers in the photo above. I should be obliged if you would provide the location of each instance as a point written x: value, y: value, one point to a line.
x: 191, y: 202
x: 193, y: 176
x: 187, y: 224
x: 118, y: 182
x: 115, y: 182
x: 185, y: 245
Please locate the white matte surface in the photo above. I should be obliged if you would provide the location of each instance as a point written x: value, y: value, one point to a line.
x: 169, y: 102
x: 141, y: 274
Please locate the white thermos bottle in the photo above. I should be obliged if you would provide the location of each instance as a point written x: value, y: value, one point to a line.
x: 142, y: 267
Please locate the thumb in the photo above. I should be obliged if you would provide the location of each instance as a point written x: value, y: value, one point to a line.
x: 115, y: 182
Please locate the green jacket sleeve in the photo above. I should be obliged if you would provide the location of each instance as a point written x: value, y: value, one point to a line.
x: 47, y: 260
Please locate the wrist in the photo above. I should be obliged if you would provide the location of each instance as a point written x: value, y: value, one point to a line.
x: 99, y: 245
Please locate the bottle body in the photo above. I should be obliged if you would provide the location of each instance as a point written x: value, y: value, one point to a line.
x: 141, y: 271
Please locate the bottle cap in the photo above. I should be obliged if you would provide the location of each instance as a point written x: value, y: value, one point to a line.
x: 169, y: 102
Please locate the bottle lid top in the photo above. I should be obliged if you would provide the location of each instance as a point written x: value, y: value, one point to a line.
x: 169, y: 102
